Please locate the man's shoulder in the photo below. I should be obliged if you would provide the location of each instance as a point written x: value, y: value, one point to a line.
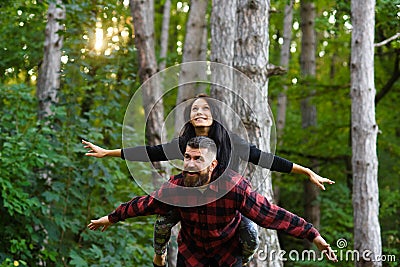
x: 239, y: 181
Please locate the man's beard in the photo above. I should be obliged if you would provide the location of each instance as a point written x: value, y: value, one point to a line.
x: 195, y: 181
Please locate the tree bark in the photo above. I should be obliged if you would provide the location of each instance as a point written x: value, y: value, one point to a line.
x: 49, y: 73
x: 192, y: 51
x: 251, y: 58
x: 308, y: 110
x: 223, y: 30
x: 49, y: 81
x: 284, y: 62
x: 364, y: 133
x: 164, y: 34
x: 282, y: 97
x: 143, y: 21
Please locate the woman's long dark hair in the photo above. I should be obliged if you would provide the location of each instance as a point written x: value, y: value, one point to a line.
x: 217, y: 132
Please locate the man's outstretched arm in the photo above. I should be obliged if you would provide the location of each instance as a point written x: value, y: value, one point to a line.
x: 137, y: 206
x: 257, y: 208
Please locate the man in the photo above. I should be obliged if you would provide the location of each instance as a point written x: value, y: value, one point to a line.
x: 210, y: 210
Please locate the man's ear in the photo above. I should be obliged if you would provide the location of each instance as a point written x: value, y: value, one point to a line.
x: 214, y: 164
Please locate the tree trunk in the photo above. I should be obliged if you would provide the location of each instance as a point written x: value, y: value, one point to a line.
x: 143, y: 21
x: 251, y: 58
x: 364, y: 133
x: 284, y: 62
x: 308, y: 110
x: 49, y: 81
x: 165, y: 34
x: 282, y: 97
x: 223, y: 30
x: 49, y: 73
x: 192, y: 51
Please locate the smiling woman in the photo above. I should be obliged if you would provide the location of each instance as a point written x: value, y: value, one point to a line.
x: 200, y: 114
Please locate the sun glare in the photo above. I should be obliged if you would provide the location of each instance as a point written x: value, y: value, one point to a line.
x: 99, y: 40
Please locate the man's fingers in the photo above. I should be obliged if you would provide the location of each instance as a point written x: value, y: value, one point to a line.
x: 330, y: 254
x: 92, y: 226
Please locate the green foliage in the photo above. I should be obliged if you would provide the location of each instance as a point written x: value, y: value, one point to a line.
x: 50, y: 191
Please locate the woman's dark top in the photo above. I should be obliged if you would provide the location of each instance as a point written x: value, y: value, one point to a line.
x: 240, y: 149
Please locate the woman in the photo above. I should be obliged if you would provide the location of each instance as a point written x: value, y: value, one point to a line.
x: 204, y: 119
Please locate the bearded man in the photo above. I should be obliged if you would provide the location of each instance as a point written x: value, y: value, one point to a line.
x: 210, y: 211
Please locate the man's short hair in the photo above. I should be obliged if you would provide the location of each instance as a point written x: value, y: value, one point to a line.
x: 203, y: 142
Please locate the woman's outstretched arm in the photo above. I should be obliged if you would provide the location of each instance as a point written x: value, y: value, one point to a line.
x: 275, y: 163
x: 168, y: 151
x: 99, y: 152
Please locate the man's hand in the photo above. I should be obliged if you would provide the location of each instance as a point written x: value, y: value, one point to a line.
x: 102, y: 222
x: 325, y: 248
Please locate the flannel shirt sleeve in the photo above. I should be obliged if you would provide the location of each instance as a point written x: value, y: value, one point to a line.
x: 257, y: 208
x: 138, y: 206
x: 141, y: 206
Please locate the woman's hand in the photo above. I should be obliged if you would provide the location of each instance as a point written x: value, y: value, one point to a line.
x: 318, y: 180
x: 314, y: 178
x: 95, y: 151
x: 102, y: 222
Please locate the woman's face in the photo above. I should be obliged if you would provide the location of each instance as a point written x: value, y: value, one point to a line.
x: 200, y: 113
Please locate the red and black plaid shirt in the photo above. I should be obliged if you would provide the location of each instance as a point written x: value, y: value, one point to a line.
x: 210, y: 231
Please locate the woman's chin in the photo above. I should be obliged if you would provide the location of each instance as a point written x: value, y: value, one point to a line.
x: 202, y: 125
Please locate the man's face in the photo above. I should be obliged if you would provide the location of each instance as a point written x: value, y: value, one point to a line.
x: 198, y: 165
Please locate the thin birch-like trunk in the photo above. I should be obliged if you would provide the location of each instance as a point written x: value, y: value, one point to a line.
x: 49, y: 80
x: 49, y: 72
x: 364, y: 130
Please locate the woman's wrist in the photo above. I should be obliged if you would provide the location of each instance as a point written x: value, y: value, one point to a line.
x: 113, y: 153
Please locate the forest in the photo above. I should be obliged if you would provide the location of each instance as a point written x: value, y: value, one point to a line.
x: 327, y: 83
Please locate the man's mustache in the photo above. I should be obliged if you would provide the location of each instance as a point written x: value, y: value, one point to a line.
x: 190, y: 171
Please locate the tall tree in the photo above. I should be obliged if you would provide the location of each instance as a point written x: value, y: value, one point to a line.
x: 143, y: 22
x: 284, y: 62
x: 364, y: 132
x: 49, y: 73
x: 192, y: 51
x: 309, y: 110
x: 49, y: 78
x: 251, y: 58
x: 223, y: 30
x: 282, y: 97
x: 164, y: 34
